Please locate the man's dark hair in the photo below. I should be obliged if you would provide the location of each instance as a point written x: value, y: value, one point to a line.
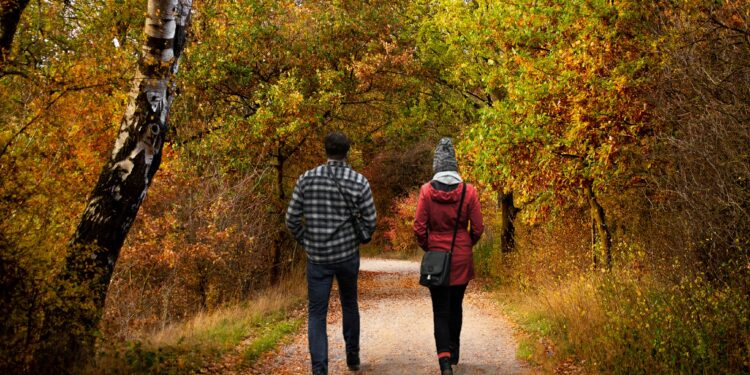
x: 337, y: 145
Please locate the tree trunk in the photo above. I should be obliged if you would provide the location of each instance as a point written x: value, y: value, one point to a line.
x: 599, y: 221
x: 508, y: 213
x: 119, y: 192
x: 10, y: 15
x: 276, y: 258
x: 594, y: 252
x: 278, y: 242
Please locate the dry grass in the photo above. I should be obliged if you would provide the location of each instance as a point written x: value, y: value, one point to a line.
x: 230, y: 323
x: 618, y: 323
x: 664, y: 318
x: 257, y: 324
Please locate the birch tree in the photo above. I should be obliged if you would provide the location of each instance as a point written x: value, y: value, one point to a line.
x: 119, y: 192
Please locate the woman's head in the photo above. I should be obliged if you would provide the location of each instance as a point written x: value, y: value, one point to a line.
x: 445, y: 157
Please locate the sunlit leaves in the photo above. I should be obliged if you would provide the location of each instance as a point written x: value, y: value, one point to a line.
x: 556, y: 88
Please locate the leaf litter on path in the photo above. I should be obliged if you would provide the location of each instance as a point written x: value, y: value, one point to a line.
x: 397, y: 330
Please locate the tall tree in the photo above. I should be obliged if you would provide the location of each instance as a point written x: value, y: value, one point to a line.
x: 560, y: 91
x: 287, y: 74
x: 119, y: 192
x: 10, y: 15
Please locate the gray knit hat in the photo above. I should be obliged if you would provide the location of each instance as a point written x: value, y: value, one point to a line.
x: 445, y: 157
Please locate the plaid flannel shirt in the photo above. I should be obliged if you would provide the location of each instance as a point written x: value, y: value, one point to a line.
x: 327, y: 233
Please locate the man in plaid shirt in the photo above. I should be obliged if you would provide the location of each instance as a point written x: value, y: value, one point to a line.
x: 331, y: 244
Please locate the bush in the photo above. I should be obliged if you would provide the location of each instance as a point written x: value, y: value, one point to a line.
x: 621, y: 323
x: 248, y: 329
x: 399, y: 232
x: 196, y: 246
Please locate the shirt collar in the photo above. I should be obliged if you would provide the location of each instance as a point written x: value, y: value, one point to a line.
x: 337, y: 163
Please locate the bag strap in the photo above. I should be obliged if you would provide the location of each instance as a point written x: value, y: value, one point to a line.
x: 347, y: 202
x: 455, y: 227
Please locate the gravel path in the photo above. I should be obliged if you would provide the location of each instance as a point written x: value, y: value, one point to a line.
x: 396, y: 323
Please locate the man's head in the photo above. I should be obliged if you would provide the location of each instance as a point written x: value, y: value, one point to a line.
x: 337, y: 145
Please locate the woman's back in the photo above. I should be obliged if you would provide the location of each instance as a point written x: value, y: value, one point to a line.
x: 436, y: 218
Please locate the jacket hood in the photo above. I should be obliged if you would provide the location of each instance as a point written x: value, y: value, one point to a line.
x: 446, y: 196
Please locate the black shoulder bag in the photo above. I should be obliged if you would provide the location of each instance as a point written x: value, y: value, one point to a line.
x: 355, y: 217
x: 436, y: 265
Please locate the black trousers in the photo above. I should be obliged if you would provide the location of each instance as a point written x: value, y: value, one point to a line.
x: 447, y: 313
x: 319, y: 283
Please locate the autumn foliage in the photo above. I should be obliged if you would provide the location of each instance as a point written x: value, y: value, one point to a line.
x: 616, y: 132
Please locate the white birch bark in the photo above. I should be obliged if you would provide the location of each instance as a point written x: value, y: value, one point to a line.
x: 136, y: 155
x: 69, y: 327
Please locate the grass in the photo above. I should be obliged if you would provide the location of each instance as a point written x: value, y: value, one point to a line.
x: 526, y: 349
x: 621, y: 324
x: 270, y: 336
x: 252, y: 327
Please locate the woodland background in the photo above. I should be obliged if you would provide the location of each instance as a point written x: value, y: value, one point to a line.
x: 610, y: 141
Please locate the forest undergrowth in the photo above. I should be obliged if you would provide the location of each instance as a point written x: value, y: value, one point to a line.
x: 665, y: 318
x: 233, y: 336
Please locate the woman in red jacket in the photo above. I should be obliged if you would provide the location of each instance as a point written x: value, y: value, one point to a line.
x: 434, y: 224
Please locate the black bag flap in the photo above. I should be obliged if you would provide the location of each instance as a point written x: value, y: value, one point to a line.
x: 433, y: 262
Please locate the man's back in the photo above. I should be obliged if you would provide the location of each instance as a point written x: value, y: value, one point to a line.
x: 331, y: 244
x: 328, y: 235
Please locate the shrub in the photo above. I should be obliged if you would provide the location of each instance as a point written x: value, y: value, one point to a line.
x: 621, y: 323
x: 399, y: 233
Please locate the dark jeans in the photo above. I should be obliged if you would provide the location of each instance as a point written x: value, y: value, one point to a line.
x: 319, y: 282
x: 447, y: 314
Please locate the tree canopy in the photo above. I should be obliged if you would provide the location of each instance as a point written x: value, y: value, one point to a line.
x: 632, y: 115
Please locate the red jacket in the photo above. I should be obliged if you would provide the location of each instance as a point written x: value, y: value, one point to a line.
x: 433, y: 226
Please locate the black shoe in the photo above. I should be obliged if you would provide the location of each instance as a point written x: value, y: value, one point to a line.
x: 445, y: 366
x: 320, y: 372
x: 454, y: 355
x: 352, y: 361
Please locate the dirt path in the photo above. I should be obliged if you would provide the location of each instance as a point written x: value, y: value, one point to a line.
x: 396, y: 324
